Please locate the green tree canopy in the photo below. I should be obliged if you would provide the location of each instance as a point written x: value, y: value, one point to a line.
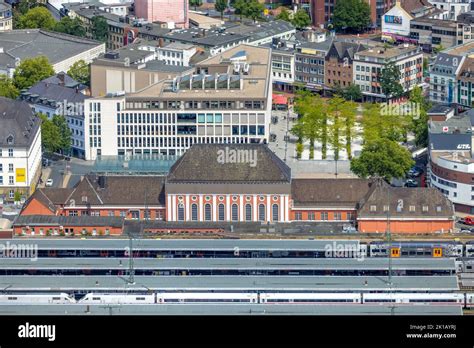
x: 352, y: 93
x: 50, y: 134
x: 284, y: 15
x: 64, y: 133
x: 301, y: 19
x: 100, y: 28
x: 420, y: 121
x: 31, y: 71
x: 37, y: 17
x: 79, y: 71
x: 71, y: 26
x: 390, y: 81
x: 221, y: 6
x: 7, y: 88
x: 382, y: 158
x: 351, y: 15
x: 195, y: 3
x: 248, y: 8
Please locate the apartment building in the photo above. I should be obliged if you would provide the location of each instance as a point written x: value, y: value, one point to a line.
x: 283, y: 65
x: 310, y: 59
x: 465, y: 22
x: 368, y: 66
x: 338, y: 67
x: 444, y: 72
x: 61, y: 95
x: 452, y: 8
x: 226, y: 99
x: 20, y: 149
x: 167, y: 11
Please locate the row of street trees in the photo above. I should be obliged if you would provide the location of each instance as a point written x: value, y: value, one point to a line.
x: 328, y: 122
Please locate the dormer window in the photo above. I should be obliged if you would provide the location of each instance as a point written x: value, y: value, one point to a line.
x: 84, y: 199
x: 425, y: 208
x: 10, y: 140
x: 412, y: 208
x: 373, y: 208
x: 386, y: 208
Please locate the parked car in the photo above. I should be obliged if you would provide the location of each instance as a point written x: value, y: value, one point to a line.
x: 411, y: 183
x: 349, y: 229
x: 415, y: 172
x: 49, y: 183
x: 468, y: 220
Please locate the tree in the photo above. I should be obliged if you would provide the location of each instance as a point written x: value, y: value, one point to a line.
x: 71, y: 26
x: 17, y: 196
x: 312, y: 123
x: 380, y: 123
x: 38, y: 17
x: 390, y: 81
x: 420, y: 119
x: 335, y: 126
x: 301, y: 19
x: 382, y: 158
x: 221, y: 6
x: 100, y: 28
x: 352, y: 93
x: 65, y: 133
x: 7, y: 88
x: 239, y: 6
x: 31, y: 71
x: 352, y: 15
x: 284, y: 15
x: 253, y: 9
x: 195, y: 3
x: 50, y: 135
x: 79, y: 71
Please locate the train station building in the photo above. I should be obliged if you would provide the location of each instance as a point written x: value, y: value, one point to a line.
x: 237, y: 184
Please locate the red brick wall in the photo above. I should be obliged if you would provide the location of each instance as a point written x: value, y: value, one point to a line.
x: 34, y: 207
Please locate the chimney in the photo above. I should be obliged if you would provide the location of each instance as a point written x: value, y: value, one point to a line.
x: 161, y: 42
x: 61, y: 77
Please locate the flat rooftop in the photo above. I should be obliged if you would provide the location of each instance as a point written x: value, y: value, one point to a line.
x: 227, y: 309
x: 229, y: 283
x: 230, y: 263
x: 392, y: 52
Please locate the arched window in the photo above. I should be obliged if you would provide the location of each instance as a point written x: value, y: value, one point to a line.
x: 194, y: 212
x: 275, y: 214
x: 261, y: 212
x: 180, y: 212
x: 221, y: 212
x: 235, y: 212
x: 207, y: 212
x: 248, y: 212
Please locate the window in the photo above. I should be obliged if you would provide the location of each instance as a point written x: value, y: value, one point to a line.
x: 194, y: 212
x: 135, y: 214
x: 425, y: 208
x: 10, y: 167
x: 261, y: 212
x: 373, y: 208
x: 235, y: 212
x: 337, y: 216
x: 207, y: 212
x: 386, y: 208
x: 10, y: 180
x: 311, y: 216
x: 1, y: 180
x: 248, y: 212
x: 324, y: 216
x: 1, y: 168
x: 350, y: 216
x: 12, y: 194
x: 180, y: 212
x: 73, y: 213
x: 298, y: 216
x: 123, y: 213
x: 10, y: 152
x: 221, y: 212
x: 412, y: 208
x: 275, y: 216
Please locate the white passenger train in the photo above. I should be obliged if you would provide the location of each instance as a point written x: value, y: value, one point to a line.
x: 460, y: 299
